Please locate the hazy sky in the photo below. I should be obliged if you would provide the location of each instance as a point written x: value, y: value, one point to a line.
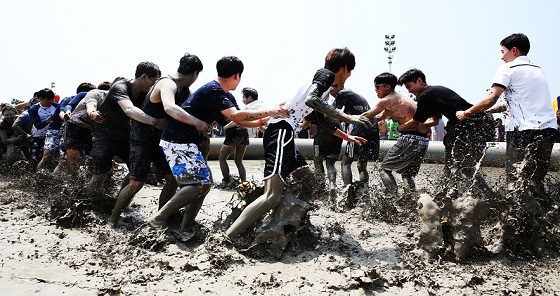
x: 455, y: 43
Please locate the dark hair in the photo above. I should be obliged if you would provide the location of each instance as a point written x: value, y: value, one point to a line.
x: 117, y: 79
x: 189, y: 64
x: 338, y: 58
x: 8, y: 107
x: 35, y: 93
x: 150, y: 69
x: 85, y: 87
x: 386, y: 78
x: 250, y: 92
x: 518, y: 40
x: 105, y: 85
x: 46, y: 93
x: 411, y: 76
x: 229, y: 66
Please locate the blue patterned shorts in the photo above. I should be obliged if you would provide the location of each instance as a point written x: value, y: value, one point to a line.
x: 187, y: 163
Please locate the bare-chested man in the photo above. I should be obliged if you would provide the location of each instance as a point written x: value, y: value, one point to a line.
x: 407, y: 154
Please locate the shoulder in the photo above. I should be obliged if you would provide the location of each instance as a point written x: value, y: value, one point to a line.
x: 324, y: 75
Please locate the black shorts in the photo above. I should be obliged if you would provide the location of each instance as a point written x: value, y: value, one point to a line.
x: 103, y: 152
x: 367, y: 152
x: 327, y: 145
x: 77, y: 137
x: 142, y: 154
x: 236, y: 136
x: 281, y: 154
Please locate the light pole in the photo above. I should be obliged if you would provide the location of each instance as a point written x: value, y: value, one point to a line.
x: 390, y: 48
x: 52, y: 85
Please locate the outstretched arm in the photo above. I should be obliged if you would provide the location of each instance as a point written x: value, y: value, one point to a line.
x: 137, y: 114
x: 484, y: 104
x: 167, y: 89
x: 314, y: 101
x: 249, y: 115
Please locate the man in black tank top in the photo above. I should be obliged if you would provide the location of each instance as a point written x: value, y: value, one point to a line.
x: 161, y: 102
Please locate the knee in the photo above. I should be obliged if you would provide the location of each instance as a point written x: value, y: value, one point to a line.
x: 272, y: 201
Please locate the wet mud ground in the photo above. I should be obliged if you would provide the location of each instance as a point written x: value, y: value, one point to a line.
x: 48, y: 249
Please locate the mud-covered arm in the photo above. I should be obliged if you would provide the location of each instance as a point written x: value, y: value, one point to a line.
x: 489, y: 101
x: 314, y: 101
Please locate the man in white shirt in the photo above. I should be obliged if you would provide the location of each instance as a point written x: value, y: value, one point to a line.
x: 530, y: 132
x: 251, y: 101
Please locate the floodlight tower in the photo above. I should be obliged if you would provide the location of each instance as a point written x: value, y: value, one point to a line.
x: 52, y: 85
x: 390, y: 48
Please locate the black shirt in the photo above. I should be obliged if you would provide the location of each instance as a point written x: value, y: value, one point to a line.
x: 435, y: 101
x: 117, y: 124
x: 206, y: 104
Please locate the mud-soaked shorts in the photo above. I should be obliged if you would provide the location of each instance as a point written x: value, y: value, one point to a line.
x: 103, y: 152
x: 281, y: 154
x: 406, y: 156
x: 142, y: 155
x: 327, y: 145
x: 36, y: 145
x: 236, y: 136
x: 187, y: 163
x: 52, y: 140
x: 368, y: 151
x: 77, y: 137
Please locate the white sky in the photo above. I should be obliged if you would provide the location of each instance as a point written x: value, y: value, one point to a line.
x: 455, y: 43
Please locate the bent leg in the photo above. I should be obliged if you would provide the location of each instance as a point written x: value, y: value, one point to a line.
x: 239, y: 153
x: 124, y: 198
x: 388, y: 180
x: 185, y: 196
x: 258, y: 208
x: 362, y: 170
x: 225, y: 152
x: 168, y: 190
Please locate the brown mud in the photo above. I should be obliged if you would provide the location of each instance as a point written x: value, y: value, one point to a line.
x: 54, y: 241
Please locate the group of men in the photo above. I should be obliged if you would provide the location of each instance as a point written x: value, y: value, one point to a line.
x: 154, y: 119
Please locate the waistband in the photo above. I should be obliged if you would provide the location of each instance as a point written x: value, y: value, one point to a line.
x: 415, y: 133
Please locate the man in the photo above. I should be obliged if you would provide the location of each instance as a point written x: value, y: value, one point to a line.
x: 77, y: 131
x: 8, y: 137
x: 326, y: 147
x: 161, y: 102
x: 355, y: 104
x: 237, y: 139
x: 111, y: 136
x: 282, y: 156
x: 41, y: 115
x: 407, y: 154
x: 530, y: 133
x: 465, y: 143
x: 251, y: 100
x: 186, y: 149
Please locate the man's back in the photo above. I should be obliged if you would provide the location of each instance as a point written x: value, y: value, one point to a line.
x: 400, y: 108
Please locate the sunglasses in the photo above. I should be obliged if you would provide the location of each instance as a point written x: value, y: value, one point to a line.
x: 378, y: 85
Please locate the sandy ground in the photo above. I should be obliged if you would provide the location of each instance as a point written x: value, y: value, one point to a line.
x: 350, y: 252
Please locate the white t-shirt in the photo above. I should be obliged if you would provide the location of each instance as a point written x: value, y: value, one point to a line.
x: 297, y: 107
x: 527, y: 95
x: 254, y: 105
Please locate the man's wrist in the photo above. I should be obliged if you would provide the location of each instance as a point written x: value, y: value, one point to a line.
x: 467, y: 113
